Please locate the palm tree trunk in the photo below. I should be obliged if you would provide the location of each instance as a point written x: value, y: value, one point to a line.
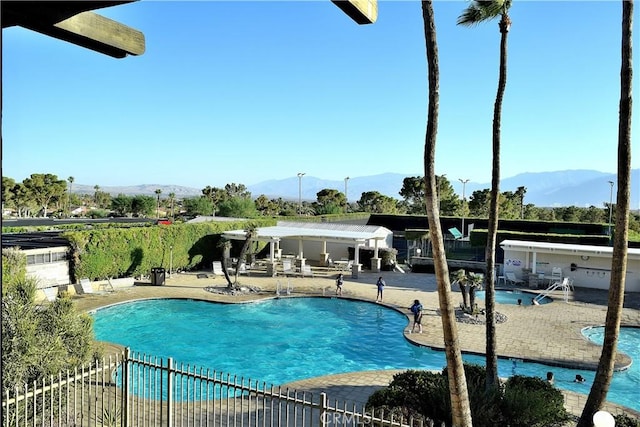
x: 460, y: 407
x: 600, y: 387
x: 492, y: 232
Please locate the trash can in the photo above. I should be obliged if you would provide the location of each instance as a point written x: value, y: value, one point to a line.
x: 157, y: 276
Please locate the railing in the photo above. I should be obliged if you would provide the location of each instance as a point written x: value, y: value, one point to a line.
x: 141, y: 390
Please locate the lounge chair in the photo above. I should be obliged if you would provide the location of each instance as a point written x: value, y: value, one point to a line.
x: 287, y: 268
x: 217, y: 268
x: 556, y: 275
x: 512, y: 279
x: 50, y: 293
x: 85, y: 286
x: 306, y: 271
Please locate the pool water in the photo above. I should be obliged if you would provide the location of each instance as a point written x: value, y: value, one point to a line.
x: 511, y: 297
x: 283, y: 340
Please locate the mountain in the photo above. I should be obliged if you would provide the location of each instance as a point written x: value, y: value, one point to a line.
x: 561, y: 188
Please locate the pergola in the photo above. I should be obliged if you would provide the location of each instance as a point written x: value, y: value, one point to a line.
x: 358, y: 235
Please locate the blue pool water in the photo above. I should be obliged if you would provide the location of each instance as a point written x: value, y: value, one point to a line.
x: 512, y: 297
x: 284, y: 340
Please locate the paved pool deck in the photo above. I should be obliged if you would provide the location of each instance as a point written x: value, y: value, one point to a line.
x: 548, y: 333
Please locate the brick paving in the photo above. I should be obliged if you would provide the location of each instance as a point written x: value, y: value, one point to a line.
x: 548, y: 333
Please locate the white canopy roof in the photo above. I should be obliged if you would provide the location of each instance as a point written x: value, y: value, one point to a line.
x: 563, y: 248
x: 330, y: 232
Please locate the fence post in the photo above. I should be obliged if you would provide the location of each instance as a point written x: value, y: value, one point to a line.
x: 170, y: 392
x: 323, y: 410
x: 126, y: 374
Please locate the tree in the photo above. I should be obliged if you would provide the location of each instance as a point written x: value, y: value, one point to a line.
x: 158, y: 192
x: 329, y: 201
x: 412, y: 192
x: 215, y: 195
x: 143, y: 205
x: 197, y: 206
x: 71, y: 180
x: 236, y: 190
x: 374, y: 202
x: 122, y: 204
x: 250, y: 234
x: 172, y: 200
x: 43, y: 188
x: 520, y: 192
x: 238, y: 207
x: 460, y: 406
x: 8, y: 185
x: 480, y: 11
x: 604, y: 373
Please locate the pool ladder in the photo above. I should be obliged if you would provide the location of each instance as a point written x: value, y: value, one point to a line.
x: 280, y: 288
x: 564, y: 286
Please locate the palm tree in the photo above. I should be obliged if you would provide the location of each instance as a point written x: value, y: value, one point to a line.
x: 480, y: 11
x: 158, y: 192
x: 459, y: 277
x: 602, y: 380
x: 70, y: 179
x: 172, y: 199
x: 460, y: 407
x: 251, y: 233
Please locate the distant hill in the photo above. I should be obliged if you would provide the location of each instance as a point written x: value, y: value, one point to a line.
x: 561, y: 188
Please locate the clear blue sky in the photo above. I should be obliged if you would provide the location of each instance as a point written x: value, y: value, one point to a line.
x: 245, y: 92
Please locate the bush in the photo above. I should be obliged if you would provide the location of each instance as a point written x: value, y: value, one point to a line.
x: 624, y: 420
x: 523, y: 401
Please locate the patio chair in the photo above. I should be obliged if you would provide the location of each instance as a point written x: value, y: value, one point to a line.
x: 306, y: 271
x: 50, y: 293
x: 217, y: 268
x: 512, y: 279
x: 556, y: 275
x: 85, y: 286
x: 287, y: 267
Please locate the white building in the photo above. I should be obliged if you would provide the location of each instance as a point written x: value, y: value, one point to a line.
x: 588, y: 266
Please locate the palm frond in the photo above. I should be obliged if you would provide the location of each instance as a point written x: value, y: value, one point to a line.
x: 483, y: 10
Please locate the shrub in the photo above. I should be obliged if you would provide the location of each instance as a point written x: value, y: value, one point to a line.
x: 532, y: 402
x: 624, y: 420
x: 523, y: 401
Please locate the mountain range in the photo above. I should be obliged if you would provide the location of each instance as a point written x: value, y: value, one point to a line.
x: 549, y: 189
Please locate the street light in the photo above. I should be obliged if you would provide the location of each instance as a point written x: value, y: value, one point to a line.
x: 346, y: 208
x: 300, y: 175
x: 439, y: 185
x: 610, y: 206
x: 464, y: 183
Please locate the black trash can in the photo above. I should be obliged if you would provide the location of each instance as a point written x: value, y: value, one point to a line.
x: 157, y: 276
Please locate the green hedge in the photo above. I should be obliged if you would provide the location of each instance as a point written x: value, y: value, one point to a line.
x: 126, y: 252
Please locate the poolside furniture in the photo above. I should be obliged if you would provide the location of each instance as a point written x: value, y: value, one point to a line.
x: 50, y: 293
x: 306, y: 271
x: 287, y: 267
x: 217, y: 268
x: 512, y: 279
x: 556, y: 275
x: 85, y: 286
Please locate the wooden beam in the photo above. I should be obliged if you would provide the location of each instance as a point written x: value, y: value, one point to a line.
x: 361, y: 11
x: 74, y: 22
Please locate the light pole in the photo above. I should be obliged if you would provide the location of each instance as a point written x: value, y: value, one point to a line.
x: 300, y: 175
x: 610, y: 206
x: 440, y: 178
x: 346, y: 197
x: 464, y: 201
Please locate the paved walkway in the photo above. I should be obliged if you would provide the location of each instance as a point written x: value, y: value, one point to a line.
x: 548, y: 333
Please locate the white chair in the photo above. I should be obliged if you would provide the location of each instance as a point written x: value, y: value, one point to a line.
x: 217, y: 268
x: 512, y: 279
x: 306, y: 271
x: 287, y: 267
x: 86, y: 286
x: 50, y: 293
x: 556, y: 275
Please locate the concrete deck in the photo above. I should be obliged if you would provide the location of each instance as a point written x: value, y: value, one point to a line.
x: 548, y: 333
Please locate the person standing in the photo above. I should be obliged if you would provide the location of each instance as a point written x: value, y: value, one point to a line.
x: 416, y: 309
x: 339, y: 282
x: 380, y: 284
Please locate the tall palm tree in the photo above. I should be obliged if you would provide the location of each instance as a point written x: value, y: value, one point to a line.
x: 460, y: 407
x: 600, y: 387
x: 250, y: 234
x: 480, y: 11
x: 172, y: 199
x: 158, y: 192
x: 70, y: 179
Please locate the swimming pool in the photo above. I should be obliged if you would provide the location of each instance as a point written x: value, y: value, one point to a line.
x: 284, y: 340
x: 504, y: 296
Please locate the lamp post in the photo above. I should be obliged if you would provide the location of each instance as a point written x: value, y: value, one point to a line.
x: 346, y: 196
x: 610, y: 207
x: 440, y: 178
x: 464, y: 201
x: 603, y: 419
x: 300, y: 175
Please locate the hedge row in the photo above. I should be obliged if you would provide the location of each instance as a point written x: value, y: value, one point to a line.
x: 127, y: 252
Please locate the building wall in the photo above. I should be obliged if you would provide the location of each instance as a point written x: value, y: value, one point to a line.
x: 49, y: 266
x: 592, y: 271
